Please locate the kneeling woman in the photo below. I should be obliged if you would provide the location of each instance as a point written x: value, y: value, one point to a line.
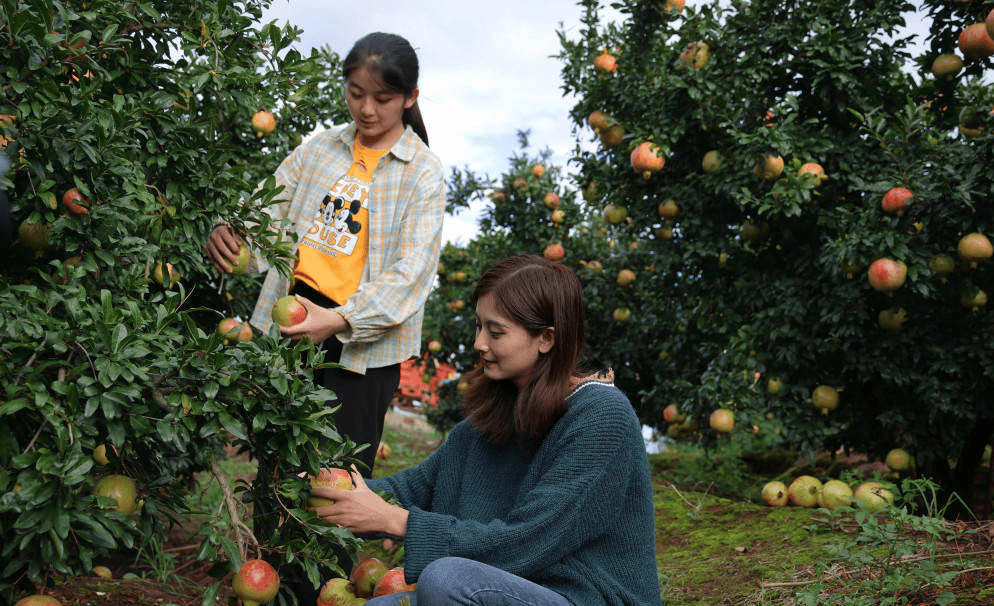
x: 542, y: 495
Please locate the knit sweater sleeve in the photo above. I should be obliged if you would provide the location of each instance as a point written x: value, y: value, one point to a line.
x: 573, y: 491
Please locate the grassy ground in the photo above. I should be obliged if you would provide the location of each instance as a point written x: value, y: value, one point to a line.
x: 714, y: 546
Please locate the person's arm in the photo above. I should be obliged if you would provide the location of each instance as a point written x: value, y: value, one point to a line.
x: 223, y: 243
x: 362, y: 510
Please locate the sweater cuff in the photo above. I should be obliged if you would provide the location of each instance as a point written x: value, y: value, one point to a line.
x: 424, y: 541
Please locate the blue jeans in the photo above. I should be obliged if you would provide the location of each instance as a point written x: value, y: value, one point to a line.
x: 451, y: 581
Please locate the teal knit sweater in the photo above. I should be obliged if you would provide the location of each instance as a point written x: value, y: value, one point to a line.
x: 575, y: 516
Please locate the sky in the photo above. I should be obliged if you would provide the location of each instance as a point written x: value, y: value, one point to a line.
x: 487, y: 71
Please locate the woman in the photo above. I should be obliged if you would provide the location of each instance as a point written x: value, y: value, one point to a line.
x: 367, y: 203
x: 543, y: 494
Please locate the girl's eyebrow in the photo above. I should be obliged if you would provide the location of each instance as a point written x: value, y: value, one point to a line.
x: 382, y: 91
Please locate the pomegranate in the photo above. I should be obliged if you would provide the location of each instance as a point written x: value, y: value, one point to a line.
x: 366, y: 575
x: 874, y: 495
x: 392, y: 581
x: 646, y: 159
x: 329, y: 477
x: 263, y: 123
x: 825, y: 398
x: 974, y: 247
x: 946, y: 66
x: 813, y: 172
x: 75, y: 202
x: 668, y: 209
x: 896, y: 200
x: 606, y: 63
x: 834, y: 493
x: 887, y: 275
x: 722, y: 420
x: 256, y: 583
x: 554, y: 252
x: 625, y: 277
x: 974, y: 41
x: 775, y: 493
x: 804, y: 491
x: 288, y: 311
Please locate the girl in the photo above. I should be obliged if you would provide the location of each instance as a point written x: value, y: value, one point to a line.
x: 542, y: 494
x: 367, y: 203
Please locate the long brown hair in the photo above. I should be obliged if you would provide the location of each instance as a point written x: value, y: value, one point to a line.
x: 392, y: 58
x: 536, y: 294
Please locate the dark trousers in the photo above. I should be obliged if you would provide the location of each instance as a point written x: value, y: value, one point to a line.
x: 364, y: 399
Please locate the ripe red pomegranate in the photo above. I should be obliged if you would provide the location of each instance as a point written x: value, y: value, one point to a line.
x: 392, y: 581
x: 887, y: 275
x: 75, y: 202
x: 896, y: 200
x: 554, y: 252
x: 974, y: 42
x: 646, y: 159
x: 256, y: 582
x: 606, y: 63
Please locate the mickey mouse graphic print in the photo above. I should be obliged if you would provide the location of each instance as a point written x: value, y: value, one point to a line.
x: 332, y: 254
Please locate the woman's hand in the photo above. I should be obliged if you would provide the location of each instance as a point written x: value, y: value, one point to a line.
x: 320, y: 323
x: 222, y: 248
x: 361, y: 510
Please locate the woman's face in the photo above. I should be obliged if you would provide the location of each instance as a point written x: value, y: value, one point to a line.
x: 507, y: 350
x: 377, y: 109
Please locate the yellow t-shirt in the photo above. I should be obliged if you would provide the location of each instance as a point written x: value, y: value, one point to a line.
x: 332, y: 254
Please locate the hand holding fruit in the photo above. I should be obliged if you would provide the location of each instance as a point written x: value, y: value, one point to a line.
x: 361, y: 510
x: 318, y: 323
x: 226, y: 251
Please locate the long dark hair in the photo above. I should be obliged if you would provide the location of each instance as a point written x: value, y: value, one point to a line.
x: 537, y: 294
x: 392, y: 58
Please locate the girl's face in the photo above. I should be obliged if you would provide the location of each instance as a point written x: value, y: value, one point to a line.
x: 507, y: 350
x: 377, y: 109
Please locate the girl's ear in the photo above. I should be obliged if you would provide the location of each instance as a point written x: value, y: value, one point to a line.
x: 411, y: 99
x: 547, y: 339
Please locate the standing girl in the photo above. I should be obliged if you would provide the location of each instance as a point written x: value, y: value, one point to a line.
x: 542, y: 495
x: 367, y: 203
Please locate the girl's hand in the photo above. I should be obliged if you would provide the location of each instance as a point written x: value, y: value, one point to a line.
x: 320, y: 323
x: 361, y: 510
x: 222, y: 248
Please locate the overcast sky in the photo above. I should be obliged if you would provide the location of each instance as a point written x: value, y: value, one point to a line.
x: 487, y: 71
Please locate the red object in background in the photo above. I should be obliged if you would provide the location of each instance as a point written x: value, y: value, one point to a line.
x: 412, y: 385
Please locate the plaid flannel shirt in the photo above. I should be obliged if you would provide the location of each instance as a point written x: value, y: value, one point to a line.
x: 406, y: 208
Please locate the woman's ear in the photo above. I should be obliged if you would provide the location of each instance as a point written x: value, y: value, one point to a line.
x: 411, y: 99
x: 547, y: 339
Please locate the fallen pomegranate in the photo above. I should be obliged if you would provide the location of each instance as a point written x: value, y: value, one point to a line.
x: 804, y: 491
x: 834, y: 493
x: 256, y: 582
x: 874, y: 496
x: 392, y: 581
x: 38, y: 600
x: 339, y: 592
x: 775, y: 493
x: 366, y: 575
